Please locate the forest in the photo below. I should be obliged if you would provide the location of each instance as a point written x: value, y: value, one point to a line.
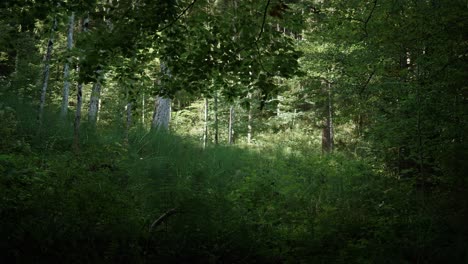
x: 233, y: 131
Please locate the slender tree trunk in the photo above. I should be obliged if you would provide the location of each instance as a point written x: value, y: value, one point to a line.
x: 143, y: 105
x: 249, y: 121
x: 216, y: 117
x: 50, y: 46
x: 278, y: 105
x: 129, y: 119
x: 66, y: 70
x: 77, y: 123
x: 327, y: 133
x: 330, y: 117
x: 79, y: 101
x: 94, y: 103
x: 99, y: 105
x: 205, y: 125
x: 231, y: 121
x: 17, y: 55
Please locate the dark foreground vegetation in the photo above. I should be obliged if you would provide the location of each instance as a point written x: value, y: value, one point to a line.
x: 158, y: 198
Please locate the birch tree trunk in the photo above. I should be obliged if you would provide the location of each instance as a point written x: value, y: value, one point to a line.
x: 129, y: 120
x: 143, y: 107
x: 231, y: 121
x: 50, y: 46
x: 249, y: 121
x: 94, y: 103
x: 205, y: 125
x: 66, y: 70
x: 216, y: 117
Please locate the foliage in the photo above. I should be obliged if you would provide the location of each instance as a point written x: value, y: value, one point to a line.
x: 291, y: 205
x: 386, y: 78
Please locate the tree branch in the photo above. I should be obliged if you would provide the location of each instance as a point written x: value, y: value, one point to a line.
x: 263, y: 21
x: 178, y: 17
x: 369, y: 17
x: 162, y: 218
x: 363, y: 87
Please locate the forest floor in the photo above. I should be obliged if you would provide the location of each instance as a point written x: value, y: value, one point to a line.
x: 222, y: 204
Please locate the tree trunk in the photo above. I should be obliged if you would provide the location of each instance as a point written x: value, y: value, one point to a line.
x: 216, y: 117
x: 77, y: 123
x: 327, y: 133
x: 278, y: 105
x: 162, y: 108
x: 205, y: 126
x: 50, y: 46
x: 94, y: 103
x: 79, y: 101
x: 129, y: 120
x: 162, y: 113
x: 143, y: 105
x: 231, y: 130
x: 249, y: 121
x: 66, y: 71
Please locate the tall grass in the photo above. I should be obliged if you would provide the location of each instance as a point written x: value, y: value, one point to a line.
x: 222, y: 204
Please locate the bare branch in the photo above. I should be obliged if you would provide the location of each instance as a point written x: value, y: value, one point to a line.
x: 364, y: 86
x: 369, y: 17
x: 178, y: 17
x: 263, y: 21
x: 162, y: 218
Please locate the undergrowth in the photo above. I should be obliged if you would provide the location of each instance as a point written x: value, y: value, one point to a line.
x: 157, y: 197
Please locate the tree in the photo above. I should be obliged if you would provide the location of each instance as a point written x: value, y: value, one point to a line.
x: 47, y: 57
x: 66, y: 70
x: 162, y: 110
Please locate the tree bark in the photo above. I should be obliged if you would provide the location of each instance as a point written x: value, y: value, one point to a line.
x: 143, y: 106
x: 94, y: 103
x: 79, y: 100
x: 66, y: 70
x: 162, y: 113
x: 162, y: 108
x: 205, y: 125
x: 216, y: 117
x: 231, y: 130
x: 249, y: 121
x: 50, y: 46
x: 129, y: 120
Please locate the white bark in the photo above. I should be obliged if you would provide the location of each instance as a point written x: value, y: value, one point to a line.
x: 231, y: 121
x: 66, y: 71
x: 162, y: 108
x: 129, y: 116
x: 50, y: 46
x: 205, y: 126
x: 162, y: 113
x: 143, y: 103
x: 330, y: 116
x: 94, y: 103
x: 216, y: 117
x: 249, y: 121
